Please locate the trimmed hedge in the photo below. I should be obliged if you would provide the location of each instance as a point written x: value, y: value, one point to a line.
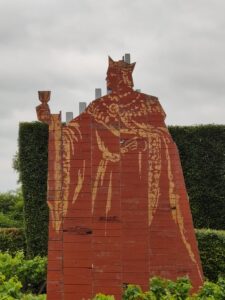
x: 202, y: 153
x: 33, y: 164
x: 12, y: 240
x: 211, y: 244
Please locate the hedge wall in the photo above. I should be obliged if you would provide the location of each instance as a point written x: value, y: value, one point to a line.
x: 202, y: 152
x: 211, y: 244
x: 33, y: 161
x: 12, y: 240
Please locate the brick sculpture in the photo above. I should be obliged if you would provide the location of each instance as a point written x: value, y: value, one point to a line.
x: 119, y: 210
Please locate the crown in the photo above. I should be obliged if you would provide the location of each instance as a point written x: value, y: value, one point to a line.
x: 121, y: 64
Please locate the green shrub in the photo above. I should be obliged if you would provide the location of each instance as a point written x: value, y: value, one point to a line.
x: 12, y: 240
x: 11, y: 290
x: 30, y: 272
x: 33, y: 297
x: 168, y: 289
x: 6, y: 221
x: 211, y: 244
x: 212, y: 290
x: 202, y: 153
x: 103, y: 297
x: 32, y: 164
x: 164, y: 289
x: 134, y: 292
x: 11, y: 209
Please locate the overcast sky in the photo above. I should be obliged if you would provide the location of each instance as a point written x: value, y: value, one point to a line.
x: 62, y: 46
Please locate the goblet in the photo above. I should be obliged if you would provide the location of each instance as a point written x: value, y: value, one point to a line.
x: 44, y: 96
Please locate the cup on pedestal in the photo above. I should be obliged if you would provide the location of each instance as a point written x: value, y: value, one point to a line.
x: 44, y: 96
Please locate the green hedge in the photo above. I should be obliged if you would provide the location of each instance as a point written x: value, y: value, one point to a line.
x: 202, y: 152
x: 211, y: 244
x: 33, y: 164
x: 12, y: 239
x: 11, y: 209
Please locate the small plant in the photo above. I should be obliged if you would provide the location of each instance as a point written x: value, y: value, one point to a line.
x: 33, y: 297
x: 211, y: 290
x: 178, y: 289
x: 30, y: 272
x: 10, y: 289
x: 158, y: 287
x: 103, y: 297
x: 164, y: 289
x: 132, y: 292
